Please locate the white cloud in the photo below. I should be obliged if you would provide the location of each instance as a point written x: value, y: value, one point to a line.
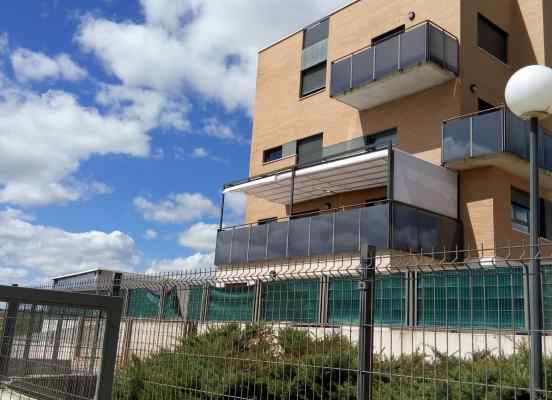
x: 30, y: 65
x: 4, y: 41
x: 199, y: 237
x: 196, y: 262
x: 200, y: 152
x: 151, y: 107
x: 150, y: 234
x: 44, y: 137
x: 208, y: 45
x: 181, y: 207
x: 214, y: 128
x: 27, y: 248
x: 235, y: 203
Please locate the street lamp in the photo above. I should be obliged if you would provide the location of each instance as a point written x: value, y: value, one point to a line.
x: 529, y: 96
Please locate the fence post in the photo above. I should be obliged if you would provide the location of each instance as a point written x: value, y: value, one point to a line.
x: 7, y: 337
x: 366, y: 328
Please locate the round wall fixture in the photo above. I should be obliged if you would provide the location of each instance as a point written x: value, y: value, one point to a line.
x: 473, y: 88
x: 411, y: 15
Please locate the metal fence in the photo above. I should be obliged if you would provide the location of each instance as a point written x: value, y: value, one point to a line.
x: 57, y: 345
x: 439, y: 325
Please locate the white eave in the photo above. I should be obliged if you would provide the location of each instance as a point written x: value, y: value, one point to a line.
x: 359, y: 172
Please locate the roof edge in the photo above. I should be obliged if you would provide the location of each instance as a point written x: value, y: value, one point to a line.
x: 301, y: 29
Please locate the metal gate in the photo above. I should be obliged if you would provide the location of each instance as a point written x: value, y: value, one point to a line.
x: 57, y: 344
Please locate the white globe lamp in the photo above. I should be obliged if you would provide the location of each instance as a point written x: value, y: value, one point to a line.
x: 529, y: 95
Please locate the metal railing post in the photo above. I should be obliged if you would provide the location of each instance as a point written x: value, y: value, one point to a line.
x: 7, y: 337
x: 366, y: 328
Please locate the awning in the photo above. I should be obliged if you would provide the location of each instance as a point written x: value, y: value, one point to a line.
x: 364, y: 171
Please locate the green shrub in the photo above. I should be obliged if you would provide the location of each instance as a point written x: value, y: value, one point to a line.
x: 261, y: 363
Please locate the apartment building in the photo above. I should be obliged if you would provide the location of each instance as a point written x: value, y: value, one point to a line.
x: 384, y: 123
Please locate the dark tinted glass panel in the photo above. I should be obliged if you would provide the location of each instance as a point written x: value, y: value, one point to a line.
x: 436, y: 45
x: 298, y: 237
x: 413, y: 47
x: 346, y: 231
x: 313, y: 79
x: 363, y: 67
x: 316, y: 33
x: 492, y: 38
x: 309, y: 149
x: 374, y: 223
x: 277, y: 240
x: 272, y: 154
x: 383, y: 139
x: 456, y: 139
x: 517, y: 136
x: 429, y: 230
x: 239, y: 245
x: 449, y: 235
x: 451, y: 53
x: 546, y: 146
x: 321, y: 234
x: 222, y: 252
x: 257, y: 242
x: 487, y: 133
x: 341, y: 77
x: 405, y: 233
x: 387, y: 57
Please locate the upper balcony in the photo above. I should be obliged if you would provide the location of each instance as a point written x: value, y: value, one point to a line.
x: 494, y: 137
x: 421, y: 57
x: 419, y: 212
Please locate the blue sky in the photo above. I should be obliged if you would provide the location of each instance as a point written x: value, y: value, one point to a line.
x: 120, y: 120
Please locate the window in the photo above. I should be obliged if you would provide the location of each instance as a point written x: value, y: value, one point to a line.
x: 309, y: 149
x: 492, y: 39
x: 520, y: 217
x: 482, y: 105
x: 520, y: 214
x: 388, y: 35
x: 266, y: 221
x: 382, y: 139
x: 314, y: 58
x: 272, y: 154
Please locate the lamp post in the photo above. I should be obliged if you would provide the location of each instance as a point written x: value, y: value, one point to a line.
x: 529, y: 95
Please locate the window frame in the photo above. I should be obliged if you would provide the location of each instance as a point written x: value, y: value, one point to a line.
x: 504, y: 34
x: 268, y: 151
x: 323, y: 64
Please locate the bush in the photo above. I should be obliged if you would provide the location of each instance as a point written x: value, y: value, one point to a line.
x: 261, y: 363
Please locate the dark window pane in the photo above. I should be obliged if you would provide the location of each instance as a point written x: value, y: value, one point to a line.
x: 451, y: 53
x: 546, y: 146
x: 298, y: 237
x: 413, y: 47
x: 316, y: 33
x: 482, y: 105
x: 405, y: 234
x: 388, y: 35
x: 382, y: 139
x: 492, y: 38
x: 487, y: 133
x: 321, y: 234
x: 277, y: 240
x: 341, y: 77
x: 346, y: 231
x: 272, y: 154
x: 313, y: 79
x: 238, y: 253
x: 456, y: 139
x: 517, y: 136
x: 436, y: 45
x: 363, y: 67
x: 257, y: 242
x: 429, y: 232
x: 222, y: 252
x: 374, y: 226
x: 387, y: 57
x: 309, y: 149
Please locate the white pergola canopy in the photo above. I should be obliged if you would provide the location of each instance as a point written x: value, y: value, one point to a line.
x: 359, y: 172
x: 415, y: 182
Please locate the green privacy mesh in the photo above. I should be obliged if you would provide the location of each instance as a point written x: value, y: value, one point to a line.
x: 231, y: 304
x: 547, y: 296
x: 194, y: 303
x: 389, y: 300
x: 143, y: 303
x: 294, y: 301
x: 471, y: 298
x: 171, y: 307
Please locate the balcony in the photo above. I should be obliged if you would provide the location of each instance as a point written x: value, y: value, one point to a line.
x: 494, y: 137
x: 337, y: 232
x: 422, y: 201
x: 422, y: 57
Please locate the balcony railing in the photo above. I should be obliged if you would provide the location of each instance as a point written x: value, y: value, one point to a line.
x: 491, y: 132
x: 423, y: 43
x: 338, y: 231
